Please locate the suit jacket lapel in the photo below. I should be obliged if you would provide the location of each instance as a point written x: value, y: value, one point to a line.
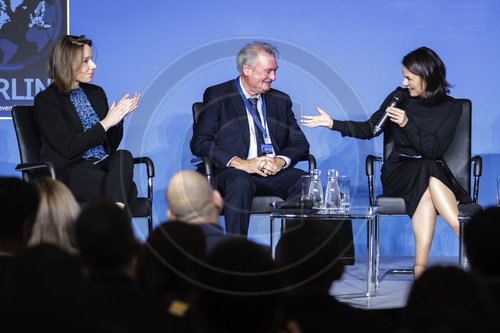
x: 93, y: 98
x: 240, y: 113
x: 70, y: 110
x: 271, y: 118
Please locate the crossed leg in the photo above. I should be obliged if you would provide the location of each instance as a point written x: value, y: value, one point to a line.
x: 438, y: 198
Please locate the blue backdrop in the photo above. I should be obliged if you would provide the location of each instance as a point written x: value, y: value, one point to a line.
x: 344, y: 56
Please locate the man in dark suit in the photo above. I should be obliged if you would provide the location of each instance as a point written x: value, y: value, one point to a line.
x: 251, y: 134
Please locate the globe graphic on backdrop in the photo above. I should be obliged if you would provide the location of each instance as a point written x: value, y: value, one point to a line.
x: 26, y: 31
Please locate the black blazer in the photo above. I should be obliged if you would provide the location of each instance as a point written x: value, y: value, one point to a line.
x: 63, y: 140
x: 222, y: 129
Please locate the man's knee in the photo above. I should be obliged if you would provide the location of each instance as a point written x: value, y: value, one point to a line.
x: 231, y: 180
x: 243, y: 181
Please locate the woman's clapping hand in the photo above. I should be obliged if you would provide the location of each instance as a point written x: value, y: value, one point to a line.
x: 119, y: 110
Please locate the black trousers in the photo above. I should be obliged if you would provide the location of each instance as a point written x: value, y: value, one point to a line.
x: 239, y: 187
x: 112, y: 178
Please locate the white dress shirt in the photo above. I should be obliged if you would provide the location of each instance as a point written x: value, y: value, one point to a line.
x: 252, y: 151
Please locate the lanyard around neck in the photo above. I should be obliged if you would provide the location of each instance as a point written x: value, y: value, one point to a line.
x: 253, y: 112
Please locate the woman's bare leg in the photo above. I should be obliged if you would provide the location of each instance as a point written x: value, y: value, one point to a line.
x: 424, y: 223
x: 445, y: 202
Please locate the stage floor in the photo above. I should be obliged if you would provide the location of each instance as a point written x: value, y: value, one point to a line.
x: 394, y: 288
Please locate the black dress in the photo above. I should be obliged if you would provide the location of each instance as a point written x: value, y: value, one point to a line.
x: 418, y: 146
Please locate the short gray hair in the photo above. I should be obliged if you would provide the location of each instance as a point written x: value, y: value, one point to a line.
x: 249, y: 53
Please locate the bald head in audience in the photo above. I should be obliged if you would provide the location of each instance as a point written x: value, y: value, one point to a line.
x: 192, y: 199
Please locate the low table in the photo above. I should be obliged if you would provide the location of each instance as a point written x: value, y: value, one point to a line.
x: 370, y: 214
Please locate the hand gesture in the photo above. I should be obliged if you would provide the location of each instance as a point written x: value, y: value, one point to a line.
x: 255, y: 165
x: 119, y: 110
x: 314, y: 121
x: 397, y: 116
x: 271, y: 168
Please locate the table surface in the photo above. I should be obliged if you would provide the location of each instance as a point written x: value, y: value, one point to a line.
x: 364, y: 212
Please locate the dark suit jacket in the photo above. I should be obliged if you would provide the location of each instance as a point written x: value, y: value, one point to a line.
x: 63, y: 140
x: 222, y: 132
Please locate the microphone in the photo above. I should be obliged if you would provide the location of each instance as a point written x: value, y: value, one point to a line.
x: 396, y: 98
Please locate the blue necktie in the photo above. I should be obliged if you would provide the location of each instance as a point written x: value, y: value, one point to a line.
x: 258, y: 133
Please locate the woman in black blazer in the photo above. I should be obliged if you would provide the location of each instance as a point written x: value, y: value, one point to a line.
x: 79, y: 132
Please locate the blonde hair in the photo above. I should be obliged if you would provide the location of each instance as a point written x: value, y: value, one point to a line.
x: 57, y: 213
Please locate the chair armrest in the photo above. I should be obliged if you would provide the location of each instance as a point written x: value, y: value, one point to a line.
x: 149, y: 164
x: 207, y: 163
x: 38, y: 165
x: 369, y: 163
x: 312, y: 161
x: 478, y: 165
x: 478, y: 170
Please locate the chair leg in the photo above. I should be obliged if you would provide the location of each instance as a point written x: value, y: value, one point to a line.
x: 271, y: 238
x: 462, y: 258
x: 150, y: 224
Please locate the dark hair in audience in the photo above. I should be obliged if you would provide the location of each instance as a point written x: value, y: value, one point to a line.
x: 65, y: 59
x: 44, y: 291
x: 448, y: 299
x: 171, y: 259
x: 43, y: 273
x: 480, y: 235
x: 240, y: 282
x: 425, y: 63
x: 18, y: 205
x: 308, y: 255
x: 104, y: 236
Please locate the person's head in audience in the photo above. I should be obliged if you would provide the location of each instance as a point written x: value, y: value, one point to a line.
x: 192, y: 199
x: 448, y: 299
x: 44, y: 291
x: 18, y: 208
x: 308, y: 257
x: 170, y: 261
x: 480, y: 238
x: 240, y: 289
x: 57, y: 213
x: 105, y: 238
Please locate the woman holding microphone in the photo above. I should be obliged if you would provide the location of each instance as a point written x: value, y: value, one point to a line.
x: 423, y: 119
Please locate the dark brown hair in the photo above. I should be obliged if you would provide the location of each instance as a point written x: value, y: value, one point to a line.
x: 62, y: 61
x: 425, y: 63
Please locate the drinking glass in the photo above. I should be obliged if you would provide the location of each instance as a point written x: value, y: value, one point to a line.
x: 345, y: 188
x: 306, y: 184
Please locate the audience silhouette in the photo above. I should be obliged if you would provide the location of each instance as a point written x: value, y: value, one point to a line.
x: 448, y: 299
x: 18, y: 207
x: 192, y: 199
x: 108, y: 251
x: 483, y: 253
x: 168, y: 268
x: 309, y: 260
x: 86, y: 272
x: 57, y: 213
x: 240, y: 290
